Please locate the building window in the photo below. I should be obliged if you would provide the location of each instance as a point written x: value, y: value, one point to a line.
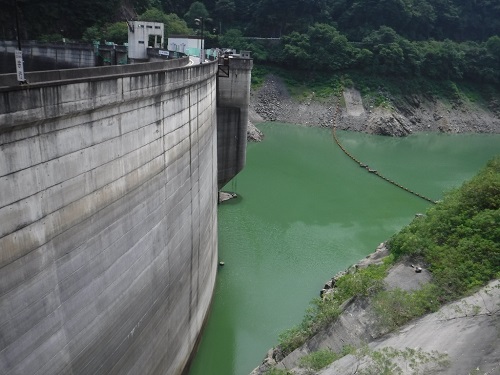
x: 141, y: 41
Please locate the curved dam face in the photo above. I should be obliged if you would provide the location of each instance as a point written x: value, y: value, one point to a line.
x: 108, y: 220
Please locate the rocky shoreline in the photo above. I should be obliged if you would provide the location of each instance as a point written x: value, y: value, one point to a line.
x: 416, y: 113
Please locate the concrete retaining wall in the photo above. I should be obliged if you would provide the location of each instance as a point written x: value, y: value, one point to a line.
x: 70, y: 55
x: 108, y: 235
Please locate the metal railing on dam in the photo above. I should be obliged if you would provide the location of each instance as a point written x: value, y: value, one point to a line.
x: 108, y: 212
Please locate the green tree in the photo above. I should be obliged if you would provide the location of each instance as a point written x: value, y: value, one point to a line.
x: 274, y: 18
x: 363, y: 58
x: 116, y: 32
x: 259, y: 52
x: 68, y: 18
x: 140, y: 6
x: 93, y: 33
x: 493, y: 46
x: 174, y: 25
x: 322, y: 48
x: 7, y: 20
x: 479, y: 64
x: 331, y: 46
x: 393, y: 54
x: 422, y: 19
x: 478, y: 19
x: 196, y: 10
x: 460, y: 237
x: 443, y: 60
x: 359, y: 18
x: 296, y: 49
x: 233, y: 38
x: 153, y: 15
x: 225, y: 10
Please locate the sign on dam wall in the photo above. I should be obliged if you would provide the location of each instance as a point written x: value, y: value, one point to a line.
x: 108, y: 212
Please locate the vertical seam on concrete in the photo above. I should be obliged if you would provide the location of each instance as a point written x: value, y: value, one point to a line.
x: 215, y: 199
x: 197, y: 223
x: 199, y: 193
x: 191, y: 204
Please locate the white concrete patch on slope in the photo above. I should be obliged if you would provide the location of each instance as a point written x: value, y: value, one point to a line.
x: 353, y: 102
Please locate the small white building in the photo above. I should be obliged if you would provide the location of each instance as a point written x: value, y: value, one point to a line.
x: 139, y: 33
x: 190, y: 45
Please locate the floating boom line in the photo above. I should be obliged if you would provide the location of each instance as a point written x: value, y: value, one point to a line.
x: 374, y: 171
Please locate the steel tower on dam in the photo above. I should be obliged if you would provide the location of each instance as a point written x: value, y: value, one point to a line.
x: 108, y: 216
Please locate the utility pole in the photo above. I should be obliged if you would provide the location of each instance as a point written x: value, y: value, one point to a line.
x: 200, y: 21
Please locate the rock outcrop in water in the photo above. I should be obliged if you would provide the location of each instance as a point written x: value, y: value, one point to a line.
x: 386, y: 122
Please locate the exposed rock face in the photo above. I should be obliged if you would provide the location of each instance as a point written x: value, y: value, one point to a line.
x: 413, y: 113
x: 272, y: 102
x: 466, y: 330
x: 270, y: 99
x: 254, y: 134
x: 385, y: 122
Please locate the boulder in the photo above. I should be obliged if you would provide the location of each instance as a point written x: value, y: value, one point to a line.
x: 383, y: 121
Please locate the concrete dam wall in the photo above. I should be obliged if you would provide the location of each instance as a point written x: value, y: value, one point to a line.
x: 108, y: 220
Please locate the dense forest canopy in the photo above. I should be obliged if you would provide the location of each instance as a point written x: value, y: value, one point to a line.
x: 438, y: 39
x: 458, y: 20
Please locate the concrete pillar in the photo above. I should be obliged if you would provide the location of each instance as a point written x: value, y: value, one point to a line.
x: 233, y: 98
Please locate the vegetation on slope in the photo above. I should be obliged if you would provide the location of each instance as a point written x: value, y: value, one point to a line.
x: 435, y: 39
x: 366, y: 282
x: 457, y: 20
x: 458, y: 240
x: 379, y: 90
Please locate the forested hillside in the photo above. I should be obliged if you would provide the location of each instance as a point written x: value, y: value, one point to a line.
x: 437, y: 39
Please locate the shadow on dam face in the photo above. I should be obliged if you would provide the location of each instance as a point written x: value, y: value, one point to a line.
x: 231, y: 144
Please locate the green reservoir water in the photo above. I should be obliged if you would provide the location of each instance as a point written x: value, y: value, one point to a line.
x: 306, y: 211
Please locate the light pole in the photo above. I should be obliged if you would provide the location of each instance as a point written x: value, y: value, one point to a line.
x: 199, y: 21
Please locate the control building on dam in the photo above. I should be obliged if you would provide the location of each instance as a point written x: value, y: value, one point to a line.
x: 109, y: 182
